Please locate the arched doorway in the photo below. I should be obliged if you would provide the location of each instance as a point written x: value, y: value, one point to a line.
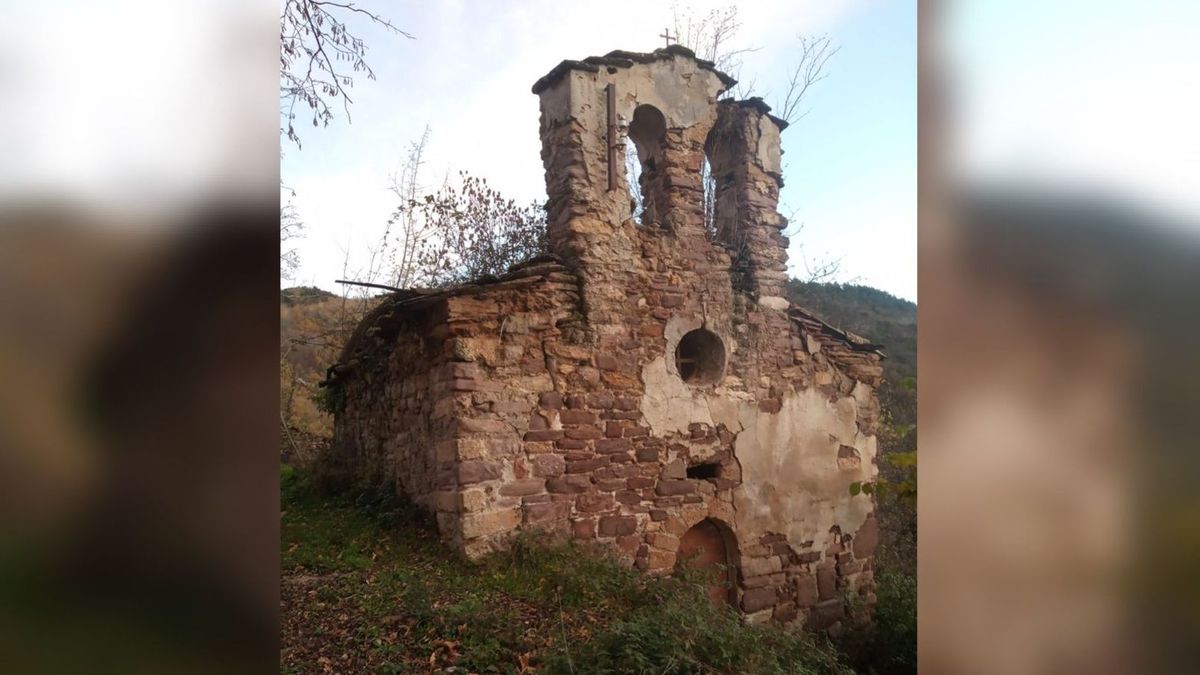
x: 708, y: 546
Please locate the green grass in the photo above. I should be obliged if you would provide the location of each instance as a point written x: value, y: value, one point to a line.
x: 367, y: 587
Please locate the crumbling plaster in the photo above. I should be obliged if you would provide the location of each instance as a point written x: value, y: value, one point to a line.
x: 791, y: 482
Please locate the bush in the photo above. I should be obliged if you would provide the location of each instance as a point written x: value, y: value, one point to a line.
x: 675, y: 629
x: 895, y: 644
x: 889, y: 645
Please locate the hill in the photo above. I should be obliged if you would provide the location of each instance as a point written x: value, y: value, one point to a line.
x: 313, y: 325
x: 304, y: 295
x: 885, y: 320
x: 870, y: 312
x: 891, y: 322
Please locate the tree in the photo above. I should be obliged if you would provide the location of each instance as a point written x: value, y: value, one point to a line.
x: 815, y: 53
x: 291, y: 228
x: 313, y: 44
x: 471, y: 230
x: 404, y: 248
x: 712, y: 38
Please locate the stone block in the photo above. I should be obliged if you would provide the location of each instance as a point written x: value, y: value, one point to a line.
x: 806, y: 591
x: 584, y: 529
x: 664, y: 540
x: 592, y: 503
x: 826, y: 582
x: 668, y: 488
x: 606, y: 362
x: 577, y: 417
x: 866, y: 540
x: 476, y: 471
x: 490, y: 523
x: 548, y: 465
x: 543, y: 435
x: 614, y: 526
x: 584, y: 433
x: 569, y: 484
x: 446, y: 500
x: 523, y: 487
x: 785, y: 612
x: 676, y: 470
x: 752, y: 567
x: 586, y: 465
x: 547, y: 514
x: 647, y: 455
x: 550, y: 400
x: 608, y: 445
x: 758, y: 598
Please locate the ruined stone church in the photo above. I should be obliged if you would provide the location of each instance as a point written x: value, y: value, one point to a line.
x: 647, y: 386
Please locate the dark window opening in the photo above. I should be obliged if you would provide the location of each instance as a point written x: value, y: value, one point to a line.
x: 700, y: 357
x: 704, y: 471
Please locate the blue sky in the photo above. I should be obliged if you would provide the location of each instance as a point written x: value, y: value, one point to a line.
x: 850, y: 165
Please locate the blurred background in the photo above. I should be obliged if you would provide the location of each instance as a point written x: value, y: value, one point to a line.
x: 1059, y: 277
x: 1060, y: 288
x: 138, y: 176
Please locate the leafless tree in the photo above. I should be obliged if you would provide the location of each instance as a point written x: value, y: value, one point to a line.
x: 712, y: 37
x: 815, y: 53
x: 461, y: 231
x: 319, y: 57
x: 291, y: 228
x: 410, y: 235
x: 823, y: 269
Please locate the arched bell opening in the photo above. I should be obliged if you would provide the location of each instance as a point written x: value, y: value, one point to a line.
x: 647, y: 132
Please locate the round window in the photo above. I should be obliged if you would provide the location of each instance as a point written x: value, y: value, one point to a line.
x: 700, y: 357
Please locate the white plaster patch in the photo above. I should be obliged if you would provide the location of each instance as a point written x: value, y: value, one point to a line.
x: 770, y: 155
x: 669, y: 404
x: 791, y: 481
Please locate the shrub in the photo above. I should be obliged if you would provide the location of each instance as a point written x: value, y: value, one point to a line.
x: 895, y: 644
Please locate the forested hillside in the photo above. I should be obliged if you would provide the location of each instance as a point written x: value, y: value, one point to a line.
x: 313, y: 325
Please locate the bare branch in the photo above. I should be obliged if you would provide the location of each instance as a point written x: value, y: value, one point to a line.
x: 291, y: 227
x: 815, y: 53
x: 311, y: 39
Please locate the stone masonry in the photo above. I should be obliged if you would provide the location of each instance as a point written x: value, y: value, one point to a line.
x: 645, y: 377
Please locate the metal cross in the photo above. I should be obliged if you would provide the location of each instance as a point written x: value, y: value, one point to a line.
x: 666, y: 35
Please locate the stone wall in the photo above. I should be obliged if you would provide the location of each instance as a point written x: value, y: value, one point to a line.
x: 390, y: 391
x: 555, y: 398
